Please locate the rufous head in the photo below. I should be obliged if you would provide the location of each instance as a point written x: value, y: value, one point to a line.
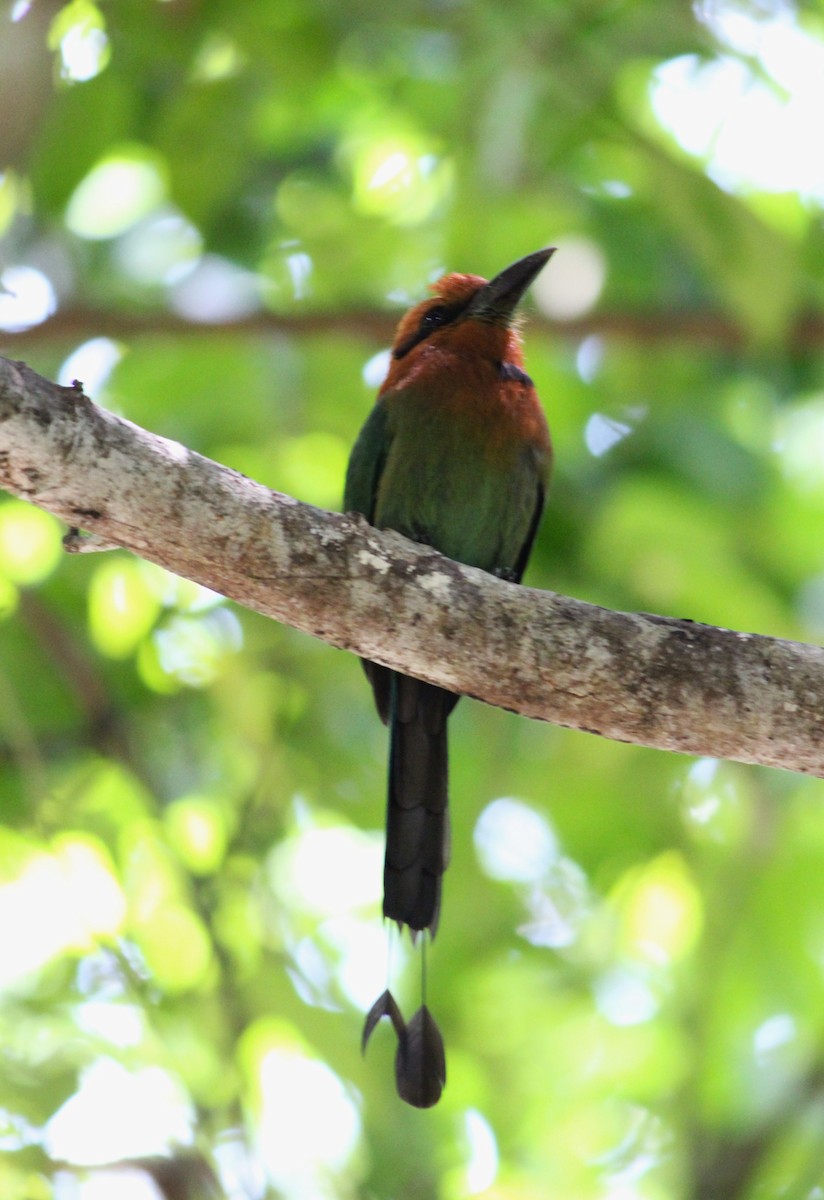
x: 458, y: 299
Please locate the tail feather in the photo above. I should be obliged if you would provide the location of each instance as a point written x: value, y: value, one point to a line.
x: 417, y: 821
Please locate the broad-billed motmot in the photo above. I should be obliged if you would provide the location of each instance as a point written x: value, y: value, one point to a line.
x: 455, y: 454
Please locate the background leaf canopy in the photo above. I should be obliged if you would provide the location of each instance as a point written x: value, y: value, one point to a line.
x: 212, y: 212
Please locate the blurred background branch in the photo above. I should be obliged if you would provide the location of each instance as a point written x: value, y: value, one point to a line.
x: 701, y: 327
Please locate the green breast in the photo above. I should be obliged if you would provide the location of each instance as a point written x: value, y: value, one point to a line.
x: 456, y: 483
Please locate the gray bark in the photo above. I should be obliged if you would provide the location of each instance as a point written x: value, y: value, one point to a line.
x: 637, y: 678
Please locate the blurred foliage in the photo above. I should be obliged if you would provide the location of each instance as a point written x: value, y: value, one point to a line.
x: 630, y: 969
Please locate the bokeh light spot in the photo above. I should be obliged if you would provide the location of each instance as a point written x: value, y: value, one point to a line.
x: 482, y: 1167
x: 601, y: 433
x: 327, y: 870
x: 79, y: 33
x: 122, y: 608
x: 624, y: 997
x: 27, y: 298
x: 118, y: 1114
x: 309, y: 1126
x: 662, y: 910
x: 30, y: 542
x: 398, y: 177
x: 123, y: 188
x: 514, y: 842
x: 573, y: 281
x: 176, y: 947
x: 753, y: 132
x: 70, y: 897
x: 799, y: 444
x: 92, y: 363
x: 193, y: 649
x: 196, y: 828
x: 10, y: 194
x: 376, y: 368
x: 161, y: 250
x: 216, y: 291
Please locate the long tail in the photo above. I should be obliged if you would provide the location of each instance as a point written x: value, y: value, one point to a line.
x: 417, y: 818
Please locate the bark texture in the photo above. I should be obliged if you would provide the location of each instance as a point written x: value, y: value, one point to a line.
x: 656, y: 681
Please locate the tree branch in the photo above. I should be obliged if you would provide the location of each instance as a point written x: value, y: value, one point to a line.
x: 651, y: 680
x: 703, y: 327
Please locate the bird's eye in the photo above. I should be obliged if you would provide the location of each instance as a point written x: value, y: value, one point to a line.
x: 434, y: 317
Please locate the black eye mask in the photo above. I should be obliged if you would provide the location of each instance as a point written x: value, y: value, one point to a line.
x: 434, y: 318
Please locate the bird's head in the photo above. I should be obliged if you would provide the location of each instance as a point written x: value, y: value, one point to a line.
x: 469, y: 309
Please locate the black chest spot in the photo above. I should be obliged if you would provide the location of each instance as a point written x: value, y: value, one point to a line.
x: 508, y: 371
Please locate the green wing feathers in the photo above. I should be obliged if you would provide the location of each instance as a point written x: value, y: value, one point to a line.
x: 366, y: 464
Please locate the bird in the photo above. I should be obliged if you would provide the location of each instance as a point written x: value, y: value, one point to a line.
x: 455, y: 454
